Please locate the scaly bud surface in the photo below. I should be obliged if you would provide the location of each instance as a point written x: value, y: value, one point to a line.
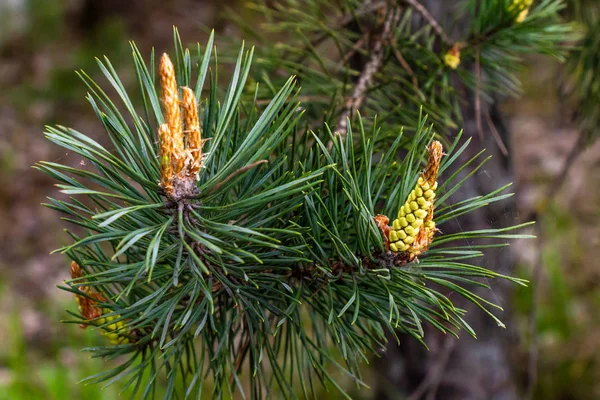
x: 170, y: 99
x: 414, y: 228
x: 180, y: 162
x: 166, y: 156
x: 192, y: 125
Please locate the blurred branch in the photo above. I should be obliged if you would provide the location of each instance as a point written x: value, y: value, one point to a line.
x: 495, y: 132
x: 405, y: 65
x: 478, y: 93
x: 432, y: 380
x: 367, y: 7
x: 369, y: 70
x: 430, y: 19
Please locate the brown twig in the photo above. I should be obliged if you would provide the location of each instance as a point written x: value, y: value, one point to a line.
x: 495, y: 133
x: 368, y: 72
x: 359, y: 43
x: 430, y: 19
x: 366, y: 8
x: 405, y: 65
x: 337, y: 268
x: 301, y: 99
x: 478, y: 94
x: 240, y: 358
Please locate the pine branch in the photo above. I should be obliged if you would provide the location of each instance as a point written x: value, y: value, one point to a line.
x: 210, y: 263
x: 367, y: 7
x: 478, y: 93
x: 405, y: 65
x: 370, y: 68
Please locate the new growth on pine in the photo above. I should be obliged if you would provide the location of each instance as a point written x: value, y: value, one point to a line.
x: 239, y: 240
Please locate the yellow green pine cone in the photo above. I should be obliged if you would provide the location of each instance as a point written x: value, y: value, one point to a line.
x: 114, y: 331
x: 412, y: 217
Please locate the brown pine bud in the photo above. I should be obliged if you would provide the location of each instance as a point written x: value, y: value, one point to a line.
x: 166, y: 157
x: 112, y: 327
x: 87, y: 306
x: 433, y: 165
x: 382, y: 223
x: 170, y: 99
x: 192, y: 125
x: 75, y: 270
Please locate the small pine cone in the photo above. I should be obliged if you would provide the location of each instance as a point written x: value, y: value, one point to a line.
x: 117, y: 331
x: 412, y: 216
x: 414, y: 228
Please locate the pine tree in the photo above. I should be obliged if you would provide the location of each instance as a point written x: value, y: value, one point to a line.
x: 239, y: 242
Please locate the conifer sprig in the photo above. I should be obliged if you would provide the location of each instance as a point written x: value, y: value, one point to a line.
x: 266, y: 268
x: 334, y: 41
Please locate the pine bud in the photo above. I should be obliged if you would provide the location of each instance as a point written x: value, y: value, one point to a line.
x: 452, y: 57
x: 192, y: 125
x: 382, y: 222
x: 170, y: 99
x: 414, y: 228
x: 180, y: 162
x: 85, y: 304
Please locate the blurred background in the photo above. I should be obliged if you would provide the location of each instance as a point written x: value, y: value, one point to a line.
x: 43, y: 42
